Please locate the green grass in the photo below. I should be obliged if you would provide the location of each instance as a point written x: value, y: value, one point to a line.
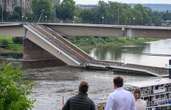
x: 7, y: 39
x: 88, y: 42
x: 16, y: 47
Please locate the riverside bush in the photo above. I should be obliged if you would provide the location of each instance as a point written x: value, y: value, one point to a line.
x: 11, y: 43
x: 4, y: 43
x: 17, y: 40
x: 14, y: 90
x: 5, y: 40
x: 108, y: 41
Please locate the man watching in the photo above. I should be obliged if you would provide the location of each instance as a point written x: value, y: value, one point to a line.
x: 80, y: 101
x: 120, y: 99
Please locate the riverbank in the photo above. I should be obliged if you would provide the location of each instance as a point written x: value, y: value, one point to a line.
x: 11, y: 47
x: 88, y: 42
x: 9, y: 44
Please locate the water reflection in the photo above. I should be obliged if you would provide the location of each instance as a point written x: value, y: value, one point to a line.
x: 114, y: 53
x: 159, y: 47
x: 155, y: 53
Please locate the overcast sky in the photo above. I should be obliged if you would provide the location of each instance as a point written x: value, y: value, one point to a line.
x: 123, y: 1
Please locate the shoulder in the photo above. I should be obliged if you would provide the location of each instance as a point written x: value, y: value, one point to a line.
x: 126, y: 92
x: 112, y: 95
x: 72, y: 98
x: 140, y: 101
x: 143, y: 101
x: 130, y: 93
x: 90, y: 101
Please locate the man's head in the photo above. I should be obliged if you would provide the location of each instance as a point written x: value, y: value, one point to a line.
x: 118, y: 82
x: 137, y: 93
x: 83, y: 87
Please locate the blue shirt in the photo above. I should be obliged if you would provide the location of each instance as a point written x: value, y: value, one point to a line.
x: 120, y: 99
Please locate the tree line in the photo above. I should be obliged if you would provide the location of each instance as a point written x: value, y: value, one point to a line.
x: 103, y: 13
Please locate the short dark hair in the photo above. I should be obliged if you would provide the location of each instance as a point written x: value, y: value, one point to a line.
x: 118, y: 81
x: 83, y: 87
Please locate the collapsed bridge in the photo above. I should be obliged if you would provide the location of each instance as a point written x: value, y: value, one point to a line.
x: 44, y: 46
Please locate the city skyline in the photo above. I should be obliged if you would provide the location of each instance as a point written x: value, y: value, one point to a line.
x: 125, y: 1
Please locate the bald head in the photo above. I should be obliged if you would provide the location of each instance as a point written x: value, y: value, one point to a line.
x: 83, y: 87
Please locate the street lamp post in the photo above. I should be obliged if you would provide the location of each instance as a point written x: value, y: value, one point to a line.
x: 45, y: 18
x: 26, y: 19
x: 74, y: 19
x: 102, y: 19
x: 133, y: 20
x: 2, y: 13
x: 22, y: 17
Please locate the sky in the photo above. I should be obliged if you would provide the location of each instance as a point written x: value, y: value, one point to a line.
x: 124, y: 1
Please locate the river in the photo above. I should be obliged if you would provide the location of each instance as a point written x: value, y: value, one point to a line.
x: 54, y: 84
x: 156, y: 53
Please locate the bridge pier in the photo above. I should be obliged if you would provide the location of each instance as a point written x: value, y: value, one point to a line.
x: 129, y: 33
x: 36, y: 57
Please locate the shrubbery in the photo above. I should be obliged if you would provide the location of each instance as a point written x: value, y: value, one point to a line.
x: 17, y: 40
x: 11, y: 43
x: 108, y: 41
x: 4, y: 43
x: 14, y: 90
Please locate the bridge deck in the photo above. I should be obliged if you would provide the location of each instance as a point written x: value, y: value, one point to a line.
x: 132, y: 68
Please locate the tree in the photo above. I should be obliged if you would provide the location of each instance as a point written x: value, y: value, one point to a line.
x: 14, y: 90
x: 65, y: 10
x: 167, y: 15
x: 42, y: 9
x: 87, y: 16
x: 101, y: 12
x: 118, y: 13
x: 156, y: 18
x: 141, y: 15
x: 17, y: 14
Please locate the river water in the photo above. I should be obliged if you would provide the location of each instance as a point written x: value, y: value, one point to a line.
x: 53, y: 85
x: 156, y: 53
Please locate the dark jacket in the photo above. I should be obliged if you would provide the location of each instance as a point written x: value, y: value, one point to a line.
x: 79, y: 102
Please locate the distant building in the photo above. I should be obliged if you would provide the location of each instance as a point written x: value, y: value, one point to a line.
x: 26, y: 6
x: 9, y: 5
x: 86, y: 6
